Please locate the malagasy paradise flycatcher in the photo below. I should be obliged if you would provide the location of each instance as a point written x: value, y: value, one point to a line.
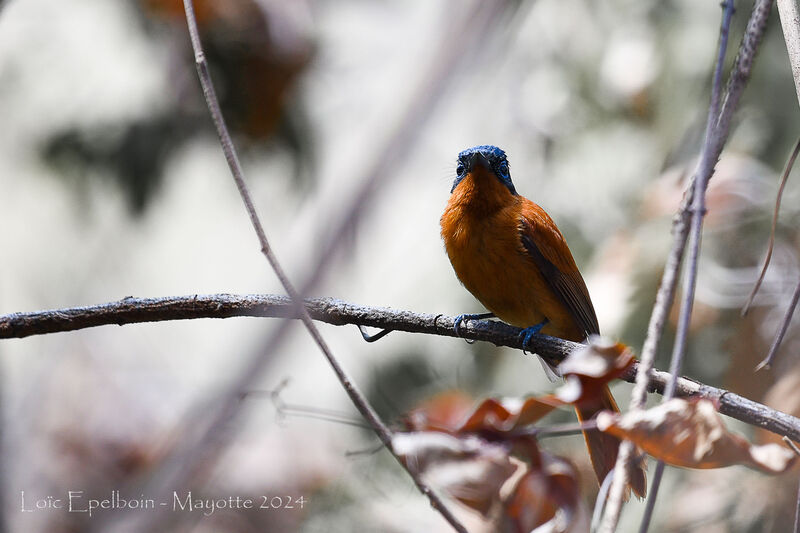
x: 512, y: 257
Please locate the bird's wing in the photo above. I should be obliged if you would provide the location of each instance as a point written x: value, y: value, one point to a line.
x: 545, y: 245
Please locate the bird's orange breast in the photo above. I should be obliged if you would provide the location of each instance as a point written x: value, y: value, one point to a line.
x: 481, y: 231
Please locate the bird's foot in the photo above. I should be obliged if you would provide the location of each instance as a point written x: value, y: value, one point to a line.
x: 461, y: 318
x: 372, y: 338
x: 528, y: 333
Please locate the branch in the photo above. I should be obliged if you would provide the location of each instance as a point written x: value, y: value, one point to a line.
x: 790, y: 23
x: 252, y: 370
x: 716, y: 134
x: 773, y: 231
x: 784, y: 327
x: 340, y: 313
x: 197, y: 455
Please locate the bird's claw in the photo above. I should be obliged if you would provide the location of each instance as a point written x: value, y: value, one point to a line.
x: 461, y: 318
x: 457, y: 324
x: 528, y: 333
x: 372, y: 338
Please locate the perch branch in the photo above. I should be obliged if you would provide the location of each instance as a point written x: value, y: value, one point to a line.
x: 340, y: 313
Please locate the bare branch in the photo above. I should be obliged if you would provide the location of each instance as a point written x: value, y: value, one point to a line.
x: 717, y: 132
x: 797, y: 513
x: 358, y: 399
x: 740, y: 72
x: 131, y: 310
x: 790, y: 22
x: 796, y: 450
x: 340, y: 313
x: 784, y: 178
x: 197, y: 457
x: 787, y: 319
x: 716, y: 136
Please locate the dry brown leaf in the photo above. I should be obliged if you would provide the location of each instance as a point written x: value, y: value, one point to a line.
x: 691, y: 434
x: 507, y: 414
x: 470, y: 469
x: 548, y: 499
x: 591, y: 367
x: 452, y: 413
x: 445, y: 412
x: 481, y: 459
x: 543, y: 496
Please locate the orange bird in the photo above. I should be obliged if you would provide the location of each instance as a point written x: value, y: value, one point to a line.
x: 511, y: 256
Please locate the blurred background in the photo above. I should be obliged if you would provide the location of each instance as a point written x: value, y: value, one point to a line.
x: 112, y: 183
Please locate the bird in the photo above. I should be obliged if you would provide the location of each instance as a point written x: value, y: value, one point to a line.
x: 508, y: 252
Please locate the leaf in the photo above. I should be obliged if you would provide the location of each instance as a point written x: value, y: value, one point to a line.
x: 507, y: 414
x: 591, y: 367
x: 478, y: 456
x: 484, y: 476
x: 444, y: 412
x: 691, y: 434
x: 470, y: 469
x: 452, y: 413
x: 547, y: 499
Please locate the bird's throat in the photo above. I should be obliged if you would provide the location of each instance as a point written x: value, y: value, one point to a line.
x: 480, y: 193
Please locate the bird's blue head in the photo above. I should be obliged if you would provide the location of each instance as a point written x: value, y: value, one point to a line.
x: 491, y: 158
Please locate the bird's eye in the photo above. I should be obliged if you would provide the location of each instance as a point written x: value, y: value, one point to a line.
x: 460, y: 169
x: 503, y: 168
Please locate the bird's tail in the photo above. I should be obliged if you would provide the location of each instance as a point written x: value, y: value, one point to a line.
x: 603, y: 447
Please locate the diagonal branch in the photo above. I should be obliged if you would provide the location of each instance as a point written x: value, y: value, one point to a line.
x: 358, y: 399
x: 196, y: 458
x: 773, y: 230
x: 692, y: 209
x: 790, y: 23
x: 340, y: 313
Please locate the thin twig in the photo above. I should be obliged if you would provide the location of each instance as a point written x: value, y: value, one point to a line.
x: 655, y: 330
x: 228, y: 407
x: 796, y: 450
x: 195, y: 457
x: 790, y: 23
x: 340, y: 313
x: 283, y: 410
x: 708, y: 160
x: 319, y: 413
x: 787, y: 320
x: 717, y: 131
x: 600, y: 502
x: 558, y: 430
x: 797, y: 512
x: 698, y: 211
x: 480, y: 19
x: 358, y: 399
x: 787, y: 441
x: 716, y: 134
x: 742, y: 68
x: 784, y: 178
x: 5, y: 465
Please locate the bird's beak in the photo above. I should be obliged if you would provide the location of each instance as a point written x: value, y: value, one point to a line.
x: 476, y: 161
x: 482, y: 161
x: 481, y: 168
